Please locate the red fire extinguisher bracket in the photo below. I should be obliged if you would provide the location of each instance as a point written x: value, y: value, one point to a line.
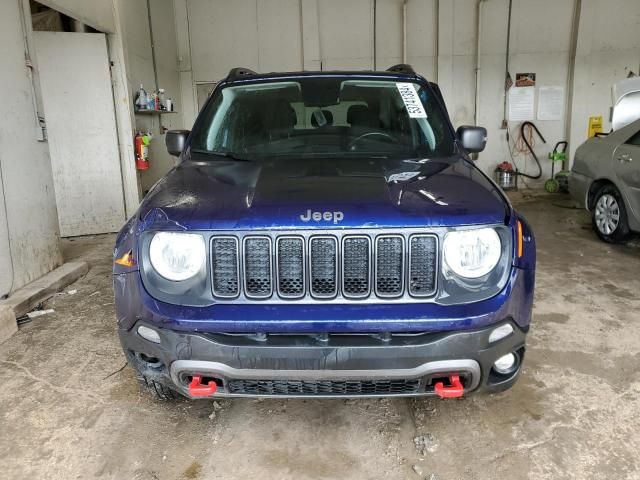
x: 455, y: 389
x: 198, y: 389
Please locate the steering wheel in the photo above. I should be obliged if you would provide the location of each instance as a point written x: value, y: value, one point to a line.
x: 354, y: 142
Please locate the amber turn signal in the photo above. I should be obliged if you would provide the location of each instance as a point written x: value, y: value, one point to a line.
x: 126, y: 260
x: 519, y: 239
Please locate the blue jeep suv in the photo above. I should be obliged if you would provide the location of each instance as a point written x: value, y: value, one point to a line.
x: 324, y: 234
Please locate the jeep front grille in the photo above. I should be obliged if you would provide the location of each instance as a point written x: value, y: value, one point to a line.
x: 318, y: 267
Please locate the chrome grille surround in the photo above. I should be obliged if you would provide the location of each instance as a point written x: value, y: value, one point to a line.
x: 422, y: 282
x: 390, y: 268
x: 292, y: 281
x: 323, y: 266
x: 353, y: 284
x: 257, y: 278
x: 290, y: 266
x: 225, y: 266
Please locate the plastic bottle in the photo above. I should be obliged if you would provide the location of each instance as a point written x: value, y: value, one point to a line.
x: 162, y: 100
x: 169, y: 105
x: 151, y: 101
x: 141, y: 99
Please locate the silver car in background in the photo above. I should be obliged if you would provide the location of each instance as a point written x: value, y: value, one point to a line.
x: 605, y: 179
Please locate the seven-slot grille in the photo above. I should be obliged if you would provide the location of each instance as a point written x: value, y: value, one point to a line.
x: 322, y: 267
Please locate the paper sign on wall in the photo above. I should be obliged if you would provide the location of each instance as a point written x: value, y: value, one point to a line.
x: 521, y: 103
x: 411, y: 100
x: 550, y: 103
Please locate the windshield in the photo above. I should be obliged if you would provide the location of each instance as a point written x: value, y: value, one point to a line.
x: 323, y: 117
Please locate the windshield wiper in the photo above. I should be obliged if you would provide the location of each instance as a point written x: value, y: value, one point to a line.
x: 228, y: 155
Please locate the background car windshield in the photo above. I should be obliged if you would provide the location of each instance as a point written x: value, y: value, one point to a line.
x: 324, y: 117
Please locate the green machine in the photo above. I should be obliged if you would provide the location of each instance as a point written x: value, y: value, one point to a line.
x: 559, y: 182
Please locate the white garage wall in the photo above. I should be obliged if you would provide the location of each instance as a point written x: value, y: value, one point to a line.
x: 265, y: 36
x: 96, y: 13
x: 28, y: 216
x: 541, y: 46
x: 346, y: 34
x: 127, y: 22
x: 441, y: 44
x: 136, y: 37
x: 608, y: 48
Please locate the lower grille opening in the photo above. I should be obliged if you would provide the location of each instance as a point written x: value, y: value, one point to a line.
x: 324, y: 387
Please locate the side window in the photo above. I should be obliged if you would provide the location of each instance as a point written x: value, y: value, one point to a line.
x: 635, y: 140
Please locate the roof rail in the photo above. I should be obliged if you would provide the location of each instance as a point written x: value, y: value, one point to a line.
x: 401, y: 68
x: 238, y: 72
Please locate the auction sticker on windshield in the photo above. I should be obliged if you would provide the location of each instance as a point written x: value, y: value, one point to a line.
x: 411, y: 100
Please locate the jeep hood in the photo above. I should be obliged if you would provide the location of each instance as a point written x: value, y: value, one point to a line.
x: 224, y: 194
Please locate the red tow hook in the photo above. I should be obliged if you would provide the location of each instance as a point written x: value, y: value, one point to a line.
x: 197, y: 389
x: 455, y: 390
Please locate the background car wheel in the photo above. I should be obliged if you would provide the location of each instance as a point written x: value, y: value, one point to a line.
x: 610, y: 216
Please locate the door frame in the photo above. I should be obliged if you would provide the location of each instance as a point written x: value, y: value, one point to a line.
x: 122, y: 98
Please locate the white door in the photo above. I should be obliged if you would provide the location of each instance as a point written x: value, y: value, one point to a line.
x: 81, y: 126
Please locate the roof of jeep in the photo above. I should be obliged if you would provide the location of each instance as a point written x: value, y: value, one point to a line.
x: 401, y: 71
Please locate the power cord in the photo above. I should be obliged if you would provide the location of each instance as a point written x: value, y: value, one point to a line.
x: 6, y: 218
x: 511, y: 146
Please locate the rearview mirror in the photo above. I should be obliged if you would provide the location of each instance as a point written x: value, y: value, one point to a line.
x: 175, y: 141
x: 472, y: 139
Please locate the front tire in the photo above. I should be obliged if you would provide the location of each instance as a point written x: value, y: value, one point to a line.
x: 152, y: 378
x: 610, y: 216
x: 157, y: 390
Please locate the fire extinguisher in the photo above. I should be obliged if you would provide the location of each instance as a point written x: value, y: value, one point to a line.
x: 142, y: 151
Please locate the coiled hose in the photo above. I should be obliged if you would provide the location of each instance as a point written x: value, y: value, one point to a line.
x: 527, y: 138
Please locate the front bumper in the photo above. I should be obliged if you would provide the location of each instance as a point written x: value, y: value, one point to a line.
x: 329, y: 365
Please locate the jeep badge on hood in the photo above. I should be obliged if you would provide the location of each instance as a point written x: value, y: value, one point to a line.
x: 335, y: 217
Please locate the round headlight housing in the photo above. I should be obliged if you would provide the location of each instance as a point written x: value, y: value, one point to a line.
x: 472, y: 253
x: 177, y: 256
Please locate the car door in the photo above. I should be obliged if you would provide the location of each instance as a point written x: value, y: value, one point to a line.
x: 626, y: 162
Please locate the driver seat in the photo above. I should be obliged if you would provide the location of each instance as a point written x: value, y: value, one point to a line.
x: 363, y: 117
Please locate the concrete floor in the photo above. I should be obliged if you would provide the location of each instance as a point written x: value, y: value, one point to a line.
x: 69, y: 408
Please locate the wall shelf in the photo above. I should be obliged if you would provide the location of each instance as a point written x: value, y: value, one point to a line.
x: 153, y: 112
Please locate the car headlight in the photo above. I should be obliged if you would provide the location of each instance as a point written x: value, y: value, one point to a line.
x: 472, y: 253
x: 177, y: 256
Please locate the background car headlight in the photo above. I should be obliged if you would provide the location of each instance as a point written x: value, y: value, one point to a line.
x: 177, y: 256
x: 472, y: 253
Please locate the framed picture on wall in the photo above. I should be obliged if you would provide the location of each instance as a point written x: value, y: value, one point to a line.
x: 525, y: 79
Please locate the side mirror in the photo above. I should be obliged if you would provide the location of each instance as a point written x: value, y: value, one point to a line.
x: 472, y: 139
x: 175, y: 141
